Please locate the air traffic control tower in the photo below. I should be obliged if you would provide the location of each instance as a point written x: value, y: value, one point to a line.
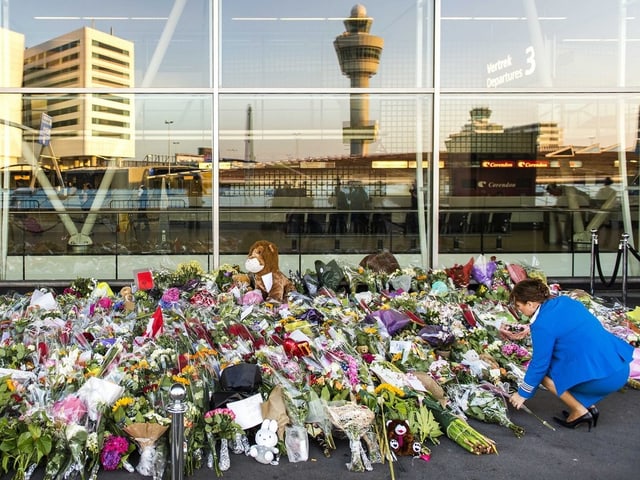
x: 359, y: 57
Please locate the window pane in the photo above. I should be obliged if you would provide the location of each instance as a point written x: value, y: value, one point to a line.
x: 144, y: 44
x: 288, y: 173
x: 571, y: 43
x: 537, y: 173
x: 278, y: 44
x: 107, y: 173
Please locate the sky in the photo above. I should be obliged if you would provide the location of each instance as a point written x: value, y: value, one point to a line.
x: 285, y: 44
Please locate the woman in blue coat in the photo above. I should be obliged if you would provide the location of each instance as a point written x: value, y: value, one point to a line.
x: 574, y: 356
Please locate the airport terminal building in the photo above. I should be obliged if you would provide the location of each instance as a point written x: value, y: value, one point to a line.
x: 141, y: 135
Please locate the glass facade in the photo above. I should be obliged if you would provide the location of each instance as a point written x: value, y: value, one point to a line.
x: 140, y: 135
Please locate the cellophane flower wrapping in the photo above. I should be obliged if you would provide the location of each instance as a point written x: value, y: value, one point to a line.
x: 220, y: 426
x: 76, y: 436
x: 483, y: 270
x: 295, y: 436
x: 392, y: 320
x: 97, y: 393
x: 354, y: 420
x: 146, y: 436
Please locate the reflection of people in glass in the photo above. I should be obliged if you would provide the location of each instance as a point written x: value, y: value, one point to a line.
x: 359, y: 203
x: 607, y: 200
x: 338, y: 220
x: 411, y: 219
x: 571, y: 200
x: 605, y: 192
x: 85, y: 196
x: 143, y: 201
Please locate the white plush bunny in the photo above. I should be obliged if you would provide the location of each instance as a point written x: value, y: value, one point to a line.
x: 265, y: 450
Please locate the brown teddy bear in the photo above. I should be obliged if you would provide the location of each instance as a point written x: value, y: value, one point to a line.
x: 263, y: 263
x: 401, y: 441
x: 381, y: 262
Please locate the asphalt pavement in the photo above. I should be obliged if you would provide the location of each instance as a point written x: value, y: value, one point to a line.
x: 609, y: 451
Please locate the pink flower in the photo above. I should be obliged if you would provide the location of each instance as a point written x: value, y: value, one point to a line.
x: 112, y: 451
x: 70, y: 409
x: 252, y: 297
x: 105, y: 302
x: 171, y: 295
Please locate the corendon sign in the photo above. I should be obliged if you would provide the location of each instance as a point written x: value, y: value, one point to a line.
x: 497, y: 164
x: 493, y: 181
x: 533, y: 163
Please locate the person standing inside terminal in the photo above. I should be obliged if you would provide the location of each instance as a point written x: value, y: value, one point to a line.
x: 143, y: 201
x: 605, y: 192
x: 359, y: 204
x: 567, y: 219
x: 574, y: 356
x: 338, y: 220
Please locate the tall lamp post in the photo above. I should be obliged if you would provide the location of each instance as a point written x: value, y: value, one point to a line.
x: 168, y: 123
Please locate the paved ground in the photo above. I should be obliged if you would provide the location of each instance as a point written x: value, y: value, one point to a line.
x: 609, y: 451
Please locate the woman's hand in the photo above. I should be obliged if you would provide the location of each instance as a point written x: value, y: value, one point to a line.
x: 516, y: 400
x: 507, y: 331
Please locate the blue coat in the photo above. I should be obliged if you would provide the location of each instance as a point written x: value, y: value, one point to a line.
x: 571, y: 346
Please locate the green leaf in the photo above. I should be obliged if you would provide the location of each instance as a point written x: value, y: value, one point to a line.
x: 325, y: 395
x: 26, y: 442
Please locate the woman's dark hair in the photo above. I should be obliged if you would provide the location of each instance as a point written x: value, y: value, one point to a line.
x: 530, y: 290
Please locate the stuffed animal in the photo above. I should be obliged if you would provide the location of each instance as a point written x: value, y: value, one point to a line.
x: 265, y: 450
x: 401, y: 439
x: 381, y: 262
x: 263, y: 263
x: 128, y: 301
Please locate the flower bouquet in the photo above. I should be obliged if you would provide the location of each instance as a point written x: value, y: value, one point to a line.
x: 76, y: 436
x: 483, y: 405
x: 115, y: 453
x: 355, y: 420
x: 220, y: 424
x: 146, y: 436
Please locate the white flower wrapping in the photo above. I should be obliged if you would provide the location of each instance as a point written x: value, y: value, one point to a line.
x: 96, y: 392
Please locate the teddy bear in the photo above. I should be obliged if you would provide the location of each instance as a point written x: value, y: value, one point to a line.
x: 265, y: 449
x: 381, y: 262
x: 401, y: 441
x: 128, y: 300
x: 263, y: 263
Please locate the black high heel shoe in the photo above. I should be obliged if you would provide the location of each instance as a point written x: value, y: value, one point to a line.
x: 586, y: 418
x: 595, y: 413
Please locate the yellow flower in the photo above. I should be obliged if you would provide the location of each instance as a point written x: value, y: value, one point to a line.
x: 389, y: 388
x: 92, y: 372
x: 123, y: 402
x: 11, y: 385
x: 396, y: 357
x: 179, y: 379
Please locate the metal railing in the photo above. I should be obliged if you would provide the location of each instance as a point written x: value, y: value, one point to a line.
x: 622, y: 261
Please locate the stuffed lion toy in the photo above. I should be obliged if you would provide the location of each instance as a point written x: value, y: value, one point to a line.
x: 263, y: 264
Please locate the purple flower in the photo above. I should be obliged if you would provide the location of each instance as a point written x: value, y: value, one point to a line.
x: 171, y: 295
x: 110, y: 459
